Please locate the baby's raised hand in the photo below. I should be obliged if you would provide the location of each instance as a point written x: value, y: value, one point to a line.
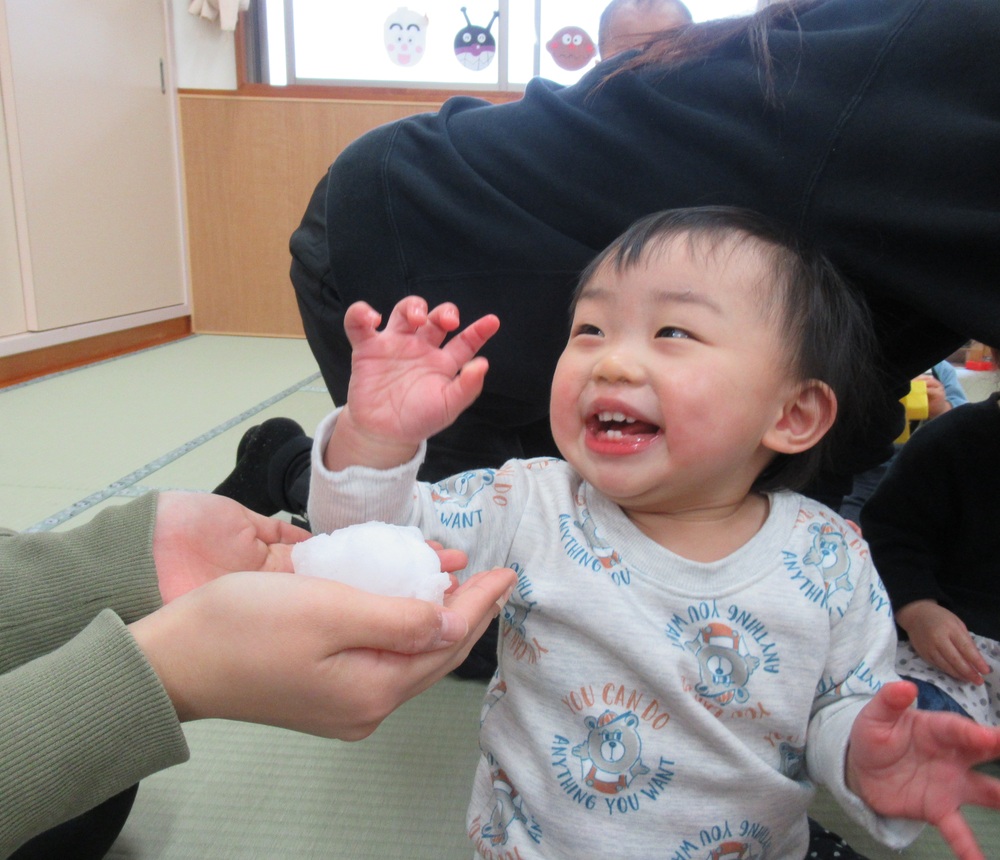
x: 406, y: 383
x: 915, y: 764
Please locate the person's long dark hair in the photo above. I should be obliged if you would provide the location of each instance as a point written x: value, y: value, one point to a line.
x: 680, y: 45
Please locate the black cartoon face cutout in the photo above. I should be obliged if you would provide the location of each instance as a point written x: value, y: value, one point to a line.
x: 474, y: 45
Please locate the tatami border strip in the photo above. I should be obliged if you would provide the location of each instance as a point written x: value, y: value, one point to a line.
x: 122, y: 485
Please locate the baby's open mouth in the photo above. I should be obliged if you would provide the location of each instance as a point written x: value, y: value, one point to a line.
x: 618, y: 425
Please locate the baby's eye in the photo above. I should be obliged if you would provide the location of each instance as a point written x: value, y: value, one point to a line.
x: 587, y: 328
x: 672, y: 331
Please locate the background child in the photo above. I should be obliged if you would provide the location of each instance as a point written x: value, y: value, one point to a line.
x: 944, y: 393
x: 932, y: 527
x: 682, y: 622
x: 628, y: 24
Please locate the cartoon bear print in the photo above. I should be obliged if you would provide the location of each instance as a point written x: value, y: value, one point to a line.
x: 613, y: 748
x: 724, y: 670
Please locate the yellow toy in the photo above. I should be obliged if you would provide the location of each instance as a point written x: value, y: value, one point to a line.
x: 916, y: 405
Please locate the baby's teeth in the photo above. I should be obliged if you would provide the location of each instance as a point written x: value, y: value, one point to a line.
x: 615, y: 416
x: 614, y: 434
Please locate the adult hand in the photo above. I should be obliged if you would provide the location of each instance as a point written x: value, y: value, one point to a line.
x: 201, y: 536
x: 310, y: 654
x: 915, y: 764
x: 407, y: 383
x: 941, y: 638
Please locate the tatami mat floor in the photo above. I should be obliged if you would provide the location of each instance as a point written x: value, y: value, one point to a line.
x: 171, y: 418
x: 165, y: 417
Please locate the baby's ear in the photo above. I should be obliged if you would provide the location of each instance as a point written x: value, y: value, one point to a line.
x: 804, y: 419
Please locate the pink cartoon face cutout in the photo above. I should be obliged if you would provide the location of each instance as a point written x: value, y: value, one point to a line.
x: 571, y: 48
x: 406, y: 36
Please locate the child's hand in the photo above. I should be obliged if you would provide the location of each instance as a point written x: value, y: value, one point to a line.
x: 914, y: 764
x: 937, y: 400
x: 405, y: 386
x: 942, y: 639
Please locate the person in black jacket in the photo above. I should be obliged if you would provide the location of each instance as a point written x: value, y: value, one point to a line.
x: 869, y: 128
x: 931, y: 526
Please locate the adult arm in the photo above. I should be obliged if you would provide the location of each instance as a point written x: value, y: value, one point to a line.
x: 53, y: 584
x: 309, y: 654
x: 131, y: 559
x: 103, y: 710
x: 82, y: 714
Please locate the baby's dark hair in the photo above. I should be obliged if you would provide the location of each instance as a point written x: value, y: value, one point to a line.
x: 826, y: 321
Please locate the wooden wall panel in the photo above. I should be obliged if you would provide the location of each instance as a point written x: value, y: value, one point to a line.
x: 23, y: 366
x: 250, y: 167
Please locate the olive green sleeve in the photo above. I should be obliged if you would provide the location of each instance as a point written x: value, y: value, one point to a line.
x: 79, y: 725
x: 82, y: 713
x: 53, y: 584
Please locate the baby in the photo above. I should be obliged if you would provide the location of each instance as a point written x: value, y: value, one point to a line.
x: 692, y: 644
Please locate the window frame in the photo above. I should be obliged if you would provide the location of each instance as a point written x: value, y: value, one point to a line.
x: 250, y: 47
x: 251, y: 50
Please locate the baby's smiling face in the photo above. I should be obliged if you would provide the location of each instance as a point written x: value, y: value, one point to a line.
x: 672, y: 376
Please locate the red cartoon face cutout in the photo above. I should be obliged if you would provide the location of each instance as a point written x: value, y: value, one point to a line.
x: 571, y: 48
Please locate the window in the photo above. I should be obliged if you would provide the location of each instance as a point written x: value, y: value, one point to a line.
x: 489, y: 45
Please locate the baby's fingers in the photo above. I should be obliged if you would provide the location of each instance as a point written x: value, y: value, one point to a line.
x: 361, y: 322
x: 955, y: 830
x: 891, y: 702
x: 950, y: 660
x: 463, y: 346
x: 408, y: 316
x: 411, y: 316
x: 982, y: 790
x: 463, y: 390
x: 443, y: 319
x: 974, y: 663
x: 954, y: 652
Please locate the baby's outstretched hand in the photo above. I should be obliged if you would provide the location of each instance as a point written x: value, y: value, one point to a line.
x: 406, y: 383
x: 908, y: 763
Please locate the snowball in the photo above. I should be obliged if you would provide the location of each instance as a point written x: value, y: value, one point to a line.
x: 377, y: 557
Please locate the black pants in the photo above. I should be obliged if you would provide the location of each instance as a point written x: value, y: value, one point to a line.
x: 86, y: 837
x: 826, y: 845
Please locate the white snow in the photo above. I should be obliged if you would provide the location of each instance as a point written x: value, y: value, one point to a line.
x: 377, y: 557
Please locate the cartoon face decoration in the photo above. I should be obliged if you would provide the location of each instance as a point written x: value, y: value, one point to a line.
x: 571, y: 48
x: 405, y: 36
x: 475, y: 46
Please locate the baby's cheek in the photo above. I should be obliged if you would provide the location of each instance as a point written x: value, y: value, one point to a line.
x: 563, y: 407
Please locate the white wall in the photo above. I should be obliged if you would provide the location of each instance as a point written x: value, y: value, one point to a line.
x: 205, y: 56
